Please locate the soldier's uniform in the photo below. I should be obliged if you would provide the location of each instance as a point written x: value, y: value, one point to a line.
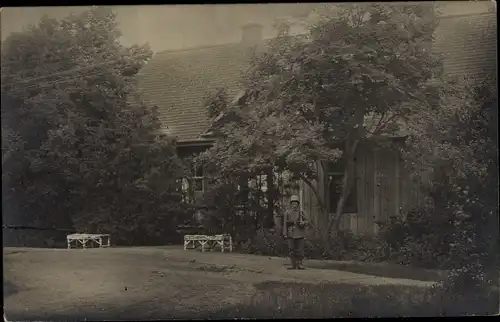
x: 292, y: 223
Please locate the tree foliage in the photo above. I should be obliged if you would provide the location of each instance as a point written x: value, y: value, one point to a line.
x: 77, y: 140
x: 358, y: 73
x: 460, y: 145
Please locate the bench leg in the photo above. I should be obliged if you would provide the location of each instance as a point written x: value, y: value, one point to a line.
x: 203, y: 245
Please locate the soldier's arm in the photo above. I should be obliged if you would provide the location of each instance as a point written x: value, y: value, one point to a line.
x: 305, y: 222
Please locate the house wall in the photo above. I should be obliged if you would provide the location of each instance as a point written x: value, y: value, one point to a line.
x: 383, y: 188
x: 383, y: 185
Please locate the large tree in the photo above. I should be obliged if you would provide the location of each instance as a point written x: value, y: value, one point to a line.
x: 77, y: 140
x: 460, y: 145
x: 360, y: 72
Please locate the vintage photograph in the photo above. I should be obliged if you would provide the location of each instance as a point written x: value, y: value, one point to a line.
x: 258, y: 160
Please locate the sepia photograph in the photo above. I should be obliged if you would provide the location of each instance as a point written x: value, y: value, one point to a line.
x: 250, y: 160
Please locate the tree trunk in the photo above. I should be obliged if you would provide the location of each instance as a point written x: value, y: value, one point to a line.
x: 347, y: 185
x: 351, y: 145
x: 270, y: 198
x: 316, y: 193
x: 322, y: 206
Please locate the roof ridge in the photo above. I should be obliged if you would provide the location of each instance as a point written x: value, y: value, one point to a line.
x: 235, y: 44
x: 466, y: 15
x: 168, y: 51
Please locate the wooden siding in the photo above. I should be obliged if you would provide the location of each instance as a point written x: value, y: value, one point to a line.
x: 383, y: 189
x: 363, y: 162
x: 311, y: 205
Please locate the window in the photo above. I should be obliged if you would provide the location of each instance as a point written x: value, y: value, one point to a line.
x: 258, y: 183
x: 258, y: 189
x: 198, y: 179
x: 194, y: 186
x: 262, y: 182
x: 186, y: 194
x: 335, y: 176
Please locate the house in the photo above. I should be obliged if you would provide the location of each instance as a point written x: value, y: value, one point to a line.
x: 178, y: 82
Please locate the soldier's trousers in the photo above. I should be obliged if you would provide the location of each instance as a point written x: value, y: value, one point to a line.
x: 296, y: 249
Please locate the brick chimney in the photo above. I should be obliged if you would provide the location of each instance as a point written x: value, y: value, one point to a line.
x: 251, y: 33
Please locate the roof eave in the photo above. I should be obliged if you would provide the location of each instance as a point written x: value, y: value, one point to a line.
x: 195, y: 142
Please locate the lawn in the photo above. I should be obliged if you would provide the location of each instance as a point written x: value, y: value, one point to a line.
x: 383, y: 270
x: 162, y: 283
x: 291, y: 300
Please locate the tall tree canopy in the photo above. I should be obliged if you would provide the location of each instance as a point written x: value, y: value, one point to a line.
x: 360, y: 72
x: 77, y: 140
x: 460, y: 143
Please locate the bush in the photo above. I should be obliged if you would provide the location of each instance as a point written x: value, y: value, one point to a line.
x: 265, y: 242
x: 34, y: 238
x: 453, y: 232
x: 343, y: 246
x: 366, y: 248
x: 421, y: 239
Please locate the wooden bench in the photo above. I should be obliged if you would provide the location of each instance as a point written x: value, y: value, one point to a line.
x: 224, y: 242
x: 88, y: 240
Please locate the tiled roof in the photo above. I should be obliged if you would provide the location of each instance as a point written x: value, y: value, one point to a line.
x: 468, y: 43
x: 178, y: 81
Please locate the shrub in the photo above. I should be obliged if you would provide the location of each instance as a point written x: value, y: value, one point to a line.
x: 265, y: 242
x: 366, y: 248
x: 453, y: 232
x: 421, y: 239
x: 343, y: 246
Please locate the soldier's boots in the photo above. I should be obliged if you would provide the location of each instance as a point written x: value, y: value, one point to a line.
x: 294, y: 263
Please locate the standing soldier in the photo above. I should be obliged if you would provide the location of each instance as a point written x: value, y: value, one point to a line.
x: 292, y: 223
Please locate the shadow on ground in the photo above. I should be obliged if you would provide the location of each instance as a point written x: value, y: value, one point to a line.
x: 298, y: 300
x: 9, y: 289
x: 382, y: 270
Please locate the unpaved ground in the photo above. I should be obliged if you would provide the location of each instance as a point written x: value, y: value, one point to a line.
x: 144, y: 282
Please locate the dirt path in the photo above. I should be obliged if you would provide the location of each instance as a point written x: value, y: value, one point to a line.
x: 273, y: 268
x: 141, y: 282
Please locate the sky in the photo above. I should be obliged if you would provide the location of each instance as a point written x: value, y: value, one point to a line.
x: 167, y: 27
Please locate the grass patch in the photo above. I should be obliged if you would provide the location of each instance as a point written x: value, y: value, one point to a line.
x: 215, y: 268
x: 383, y: 270
x: 294, y: 300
